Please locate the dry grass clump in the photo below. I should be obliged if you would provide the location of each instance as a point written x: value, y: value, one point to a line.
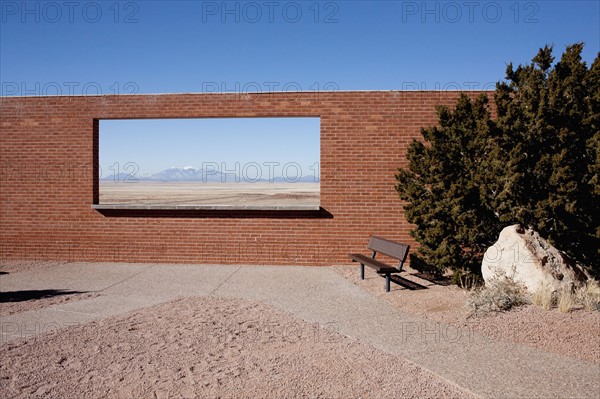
x: 567, y: 299
x: 501, y: 294
x: 589, y: 295
x: 544, y: 296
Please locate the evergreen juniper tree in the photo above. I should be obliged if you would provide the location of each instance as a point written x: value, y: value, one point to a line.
x: 547, y: 120
x: 536, y: 164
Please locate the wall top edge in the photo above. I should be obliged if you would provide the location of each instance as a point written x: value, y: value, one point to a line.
x: 246, y: 93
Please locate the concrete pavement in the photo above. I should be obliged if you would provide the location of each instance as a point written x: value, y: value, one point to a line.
x: 318, y: 295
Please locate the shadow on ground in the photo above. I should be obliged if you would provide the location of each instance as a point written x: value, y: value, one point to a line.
x: 408, y: 284
x: 22, y: 296
x: 1, y: 273
x: 443, y: 281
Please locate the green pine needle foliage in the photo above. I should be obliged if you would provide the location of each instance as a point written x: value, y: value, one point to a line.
x: 537, y: 164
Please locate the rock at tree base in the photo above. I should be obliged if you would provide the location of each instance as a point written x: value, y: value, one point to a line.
x: 522, y: 254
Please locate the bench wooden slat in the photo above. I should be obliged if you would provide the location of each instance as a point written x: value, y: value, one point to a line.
x: 389, y: 248
x: 374, y: 263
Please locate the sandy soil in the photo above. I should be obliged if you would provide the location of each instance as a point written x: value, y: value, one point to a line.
x: 208, y: 348
x: 22, y: 301
x: 198, y: 193
x: 575, y: 334
x: 18, y: 266
x: 17, y: 302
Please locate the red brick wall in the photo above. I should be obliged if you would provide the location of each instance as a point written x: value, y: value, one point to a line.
x: 48, y: 153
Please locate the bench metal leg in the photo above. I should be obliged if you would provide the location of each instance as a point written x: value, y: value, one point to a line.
x: 362, y: 271
x: 387, y: 282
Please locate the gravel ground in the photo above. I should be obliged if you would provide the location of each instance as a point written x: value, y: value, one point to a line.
x: 208, y: 348
x: 575, y: 334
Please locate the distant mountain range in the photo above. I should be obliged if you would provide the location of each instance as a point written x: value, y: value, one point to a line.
x: 199, y: 175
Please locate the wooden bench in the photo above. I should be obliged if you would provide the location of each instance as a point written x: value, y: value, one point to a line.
x: 390, y: 248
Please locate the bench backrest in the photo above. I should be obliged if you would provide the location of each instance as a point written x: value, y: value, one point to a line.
x: 389, y: 248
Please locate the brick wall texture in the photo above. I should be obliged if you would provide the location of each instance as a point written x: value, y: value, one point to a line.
x: 48, y: 180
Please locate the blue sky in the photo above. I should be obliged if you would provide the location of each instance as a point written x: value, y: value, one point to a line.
x: 192, y: 46
x: 252, y: 148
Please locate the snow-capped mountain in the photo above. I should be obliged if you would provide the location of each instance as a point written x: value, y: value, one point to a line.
x: 190, y: 173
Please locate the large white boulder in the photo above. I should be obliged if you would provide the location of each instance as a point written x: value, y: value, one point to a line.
x: 526, y: 257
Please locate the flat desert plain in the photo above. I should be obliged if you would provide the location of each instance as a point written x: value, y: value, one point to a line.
x: 209, y: 194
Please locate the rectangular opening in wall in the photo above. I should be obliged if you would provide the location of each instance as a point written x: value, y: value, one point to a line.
x: 209, y: 163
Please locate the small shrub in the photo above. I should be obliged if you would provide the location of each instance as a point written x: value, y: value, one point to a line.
x: 466, y: 279
x: 501, y: 294
x: 543, y: 296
